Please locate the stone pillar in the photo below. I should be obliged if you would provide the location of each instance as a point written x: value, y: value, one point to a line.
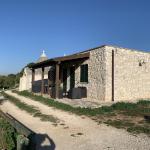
x: 49, y: 87
x: 42, y: 82
x: 68, y: 79
x: 33, y: 77
x: 57, y: 82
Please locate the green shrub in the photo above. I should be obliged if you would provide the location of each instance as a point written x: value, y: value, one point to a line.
x: 8, y: 135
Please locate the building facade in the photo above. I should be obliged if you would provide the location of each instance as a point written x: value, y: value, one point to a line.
x: 105, y: 73
x: 26, y: 79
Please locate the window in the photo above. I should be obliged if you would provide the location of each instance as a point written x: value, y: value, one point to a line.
x: 84, y: 73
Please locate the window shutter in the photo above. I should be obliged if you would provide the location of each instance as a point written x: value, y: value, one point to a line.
x: 84, y: 73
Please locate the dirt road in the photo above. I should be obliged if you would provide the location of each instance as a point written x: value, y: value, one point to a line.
x: 74, y: 132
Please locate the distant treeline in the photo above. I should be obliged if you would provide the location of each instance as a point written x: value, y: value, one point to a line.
x: 11, y: 80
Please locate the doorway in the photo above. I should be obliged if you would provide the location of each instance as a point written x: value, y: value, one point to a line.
x: 68, y: 80
x: 64, y: 82
x: 72, y: 78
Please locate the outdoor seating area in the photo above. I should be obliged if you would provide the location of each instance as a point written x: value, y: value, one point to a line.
x: 61, y: 77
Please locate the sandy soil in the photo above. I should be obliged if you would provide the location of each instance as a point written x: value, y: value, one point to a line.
x: 65, y: 136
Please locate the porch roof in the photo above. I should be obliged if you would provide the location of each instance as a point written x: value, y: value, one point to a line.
x: 55, y: 60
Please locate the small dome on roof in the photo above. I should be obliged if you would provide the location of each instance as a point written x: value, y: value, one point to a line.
x: 43, y: 54
x: 43, y: 57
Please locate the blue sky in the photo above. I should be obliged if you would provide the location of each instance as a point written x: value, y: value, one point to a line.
x: 67, y: 26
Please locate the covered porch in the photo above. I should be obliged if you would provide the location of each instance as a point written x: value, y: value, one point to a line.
x: 61, y: 82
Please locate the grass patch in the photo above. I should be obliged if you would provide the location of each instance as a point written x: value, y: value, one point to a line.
x: 139, y: 129
x: 30, y: 109
x: 124, y: 106
x: 132, y: 109
x: 145, y: 103
x: 66, y: 107
x: 119, y: 123
x: 120, y: 115
x: 8, y: 135
x: 44, y: 117
x: 130, y: 127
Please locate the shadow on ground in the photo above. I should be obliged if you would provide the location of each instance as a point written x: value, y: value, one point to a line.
x: 44, y: 142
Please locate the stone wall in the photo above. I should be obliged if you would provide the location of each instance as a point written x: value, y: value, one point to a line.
x: 96, y: 75
x: 38, y: 73
x: 131, y: 74
x: 26, y: 79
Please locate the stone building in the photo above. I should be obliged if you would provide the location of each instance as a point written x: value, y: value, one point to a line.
x: 105, y: 73
x: 26, y: 79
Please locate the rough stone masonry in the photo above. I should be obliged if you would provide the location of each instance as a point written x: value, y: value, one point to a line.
x: 117, y: 74
x: 114, y: 74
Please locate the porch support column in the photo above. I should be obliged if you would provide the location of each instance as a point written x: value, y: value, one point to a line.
x: 57, y: 82
x: 33, y: 78
x: 49, y: 87
x: 42, y: 84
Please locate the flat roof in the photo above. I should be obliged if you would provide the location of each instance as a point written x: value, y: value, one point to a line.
x: 55, y: 60
x: 79, y: 55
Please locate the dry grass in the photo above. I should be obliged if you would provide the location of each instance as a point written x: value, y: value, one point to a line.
x: 130, y: 116
x: 31, y: 109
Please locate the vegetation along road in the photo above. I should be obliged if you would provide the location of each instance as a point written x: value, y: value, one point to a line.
x: 62, y: 127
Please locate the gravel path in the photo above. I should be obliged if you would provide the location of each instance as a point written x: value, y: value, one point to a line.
x: 65, y: 136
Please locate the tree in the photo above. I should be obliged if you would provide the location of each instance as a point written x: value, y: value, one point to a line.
x: 12, y: 80
x: 30, y: 64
